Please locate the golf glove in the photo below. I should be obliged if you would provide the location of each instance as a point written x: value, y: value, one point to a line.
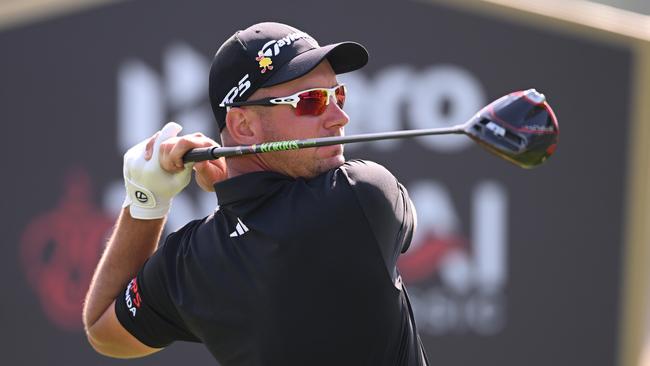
x: 149, y: 188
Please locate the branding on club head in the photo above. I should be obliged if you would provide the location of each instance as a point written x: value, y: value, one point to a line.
x: 539, y: 129
x: 498, y: 130
x: 534, y: 96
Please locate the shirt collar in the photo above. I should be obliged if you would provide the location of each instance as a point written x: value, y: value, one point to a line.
x: 249, y: 186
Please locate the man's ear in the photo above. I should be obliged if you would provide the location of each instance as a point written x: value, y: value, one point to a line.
x: 242, y: 125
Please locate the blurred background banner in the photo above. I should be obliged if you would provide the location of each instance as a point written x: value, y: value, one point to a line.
x: 508, y: 266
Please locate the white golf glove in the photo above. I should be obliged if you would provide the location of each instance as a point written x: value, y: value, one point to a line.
x: 149, y: 188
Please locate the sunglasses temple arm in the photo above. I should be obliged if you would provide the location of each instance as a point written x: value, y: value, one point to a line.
x: 216, y: 152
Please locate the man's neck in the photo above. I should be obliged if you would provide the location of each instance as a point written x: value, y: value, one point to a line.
x: 239, y: 165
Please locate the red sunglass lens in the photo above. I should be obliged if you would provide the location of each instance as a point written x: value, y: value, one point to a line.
x: 340, y: 96
x: 312, y: 103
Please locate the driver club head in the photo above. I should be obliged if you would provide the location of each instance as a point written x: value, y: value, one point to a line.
x: 520, y: 127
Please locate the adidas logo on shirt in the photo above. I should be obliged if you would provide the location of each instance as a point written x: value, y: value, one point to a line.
x: 240, y: 229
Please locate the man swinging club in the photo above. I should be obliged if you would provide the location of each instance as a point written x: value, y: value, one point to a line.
x: 297, y: 266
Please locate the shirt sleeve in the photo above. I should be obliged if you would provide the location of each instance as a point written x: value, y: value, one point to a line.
x: 145, y: 308
x: 386, y: 205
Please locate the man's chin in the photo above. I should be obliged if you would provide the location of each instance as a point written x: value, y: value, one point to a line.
x: 332, y: 162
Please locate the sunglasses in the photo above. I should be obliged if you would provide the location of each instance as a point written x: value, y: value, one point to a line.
x: 310, y: 102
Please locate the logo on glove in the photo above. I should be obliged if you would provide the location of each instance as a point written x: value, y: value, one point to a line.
x: 141, y: 196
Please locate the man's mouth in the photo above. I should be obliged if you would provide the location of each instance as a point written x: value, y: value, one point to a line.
x: 330, y: 151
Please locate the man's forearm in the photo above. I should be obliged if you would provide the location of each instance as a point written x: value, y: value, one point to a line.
x: 132, y: 242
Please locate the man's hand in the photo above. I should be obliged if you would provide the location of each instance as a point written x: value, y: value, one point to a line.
x: 170, y: 156
x: 149, y: 188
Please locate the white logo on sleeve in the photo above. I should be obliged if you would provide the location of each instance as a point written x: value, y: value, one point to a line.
x: 240, y: 229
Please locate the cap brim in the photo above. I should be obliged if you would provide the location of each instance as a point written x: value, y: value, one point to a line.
x: 343, y: 57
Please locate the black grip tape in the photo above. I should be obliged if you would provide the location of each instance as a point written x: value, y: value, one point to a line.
x: 198, y: 154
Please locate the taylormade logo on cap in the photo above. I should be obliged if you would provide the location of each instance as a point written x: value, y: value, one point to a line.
x: 269, y: 51
x: 264, y: 55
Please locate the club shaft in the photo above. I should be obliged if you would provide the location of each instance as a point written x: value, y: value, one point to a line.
x: 215, y: 152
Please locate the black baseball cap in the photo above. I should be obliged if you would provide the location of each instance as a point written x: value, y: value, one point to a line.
x: 267, y: 54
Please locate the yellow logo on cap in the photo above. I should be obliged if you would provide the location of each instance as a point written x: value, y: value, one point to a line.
x: 265, y: 62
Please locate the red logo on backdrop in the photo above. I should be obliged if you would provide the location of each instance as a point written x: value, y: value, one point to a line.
x: 60, y: 249
x: 425, y: 259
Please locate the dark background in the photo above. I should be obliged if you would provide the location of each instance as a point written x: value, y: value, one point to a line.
x: 59, y: 106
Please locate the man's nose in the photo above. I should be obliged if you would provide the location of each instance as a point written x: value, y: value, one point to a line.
x: 335, y: 116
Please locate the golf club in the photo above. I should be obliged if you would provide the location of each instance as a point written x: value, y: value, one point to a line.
x: 520, y: 127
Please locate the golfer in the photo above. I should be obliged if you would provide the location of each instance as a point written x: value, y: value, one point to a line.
x: 297, y: 264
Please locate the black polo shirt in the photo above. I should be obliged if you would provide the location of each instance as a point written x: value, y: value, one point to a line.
x: 286, y: 272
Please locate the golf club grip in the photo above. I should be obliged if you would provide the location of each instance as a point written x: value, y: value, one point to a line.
x: 215, y: 152
x: 199, y: 154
